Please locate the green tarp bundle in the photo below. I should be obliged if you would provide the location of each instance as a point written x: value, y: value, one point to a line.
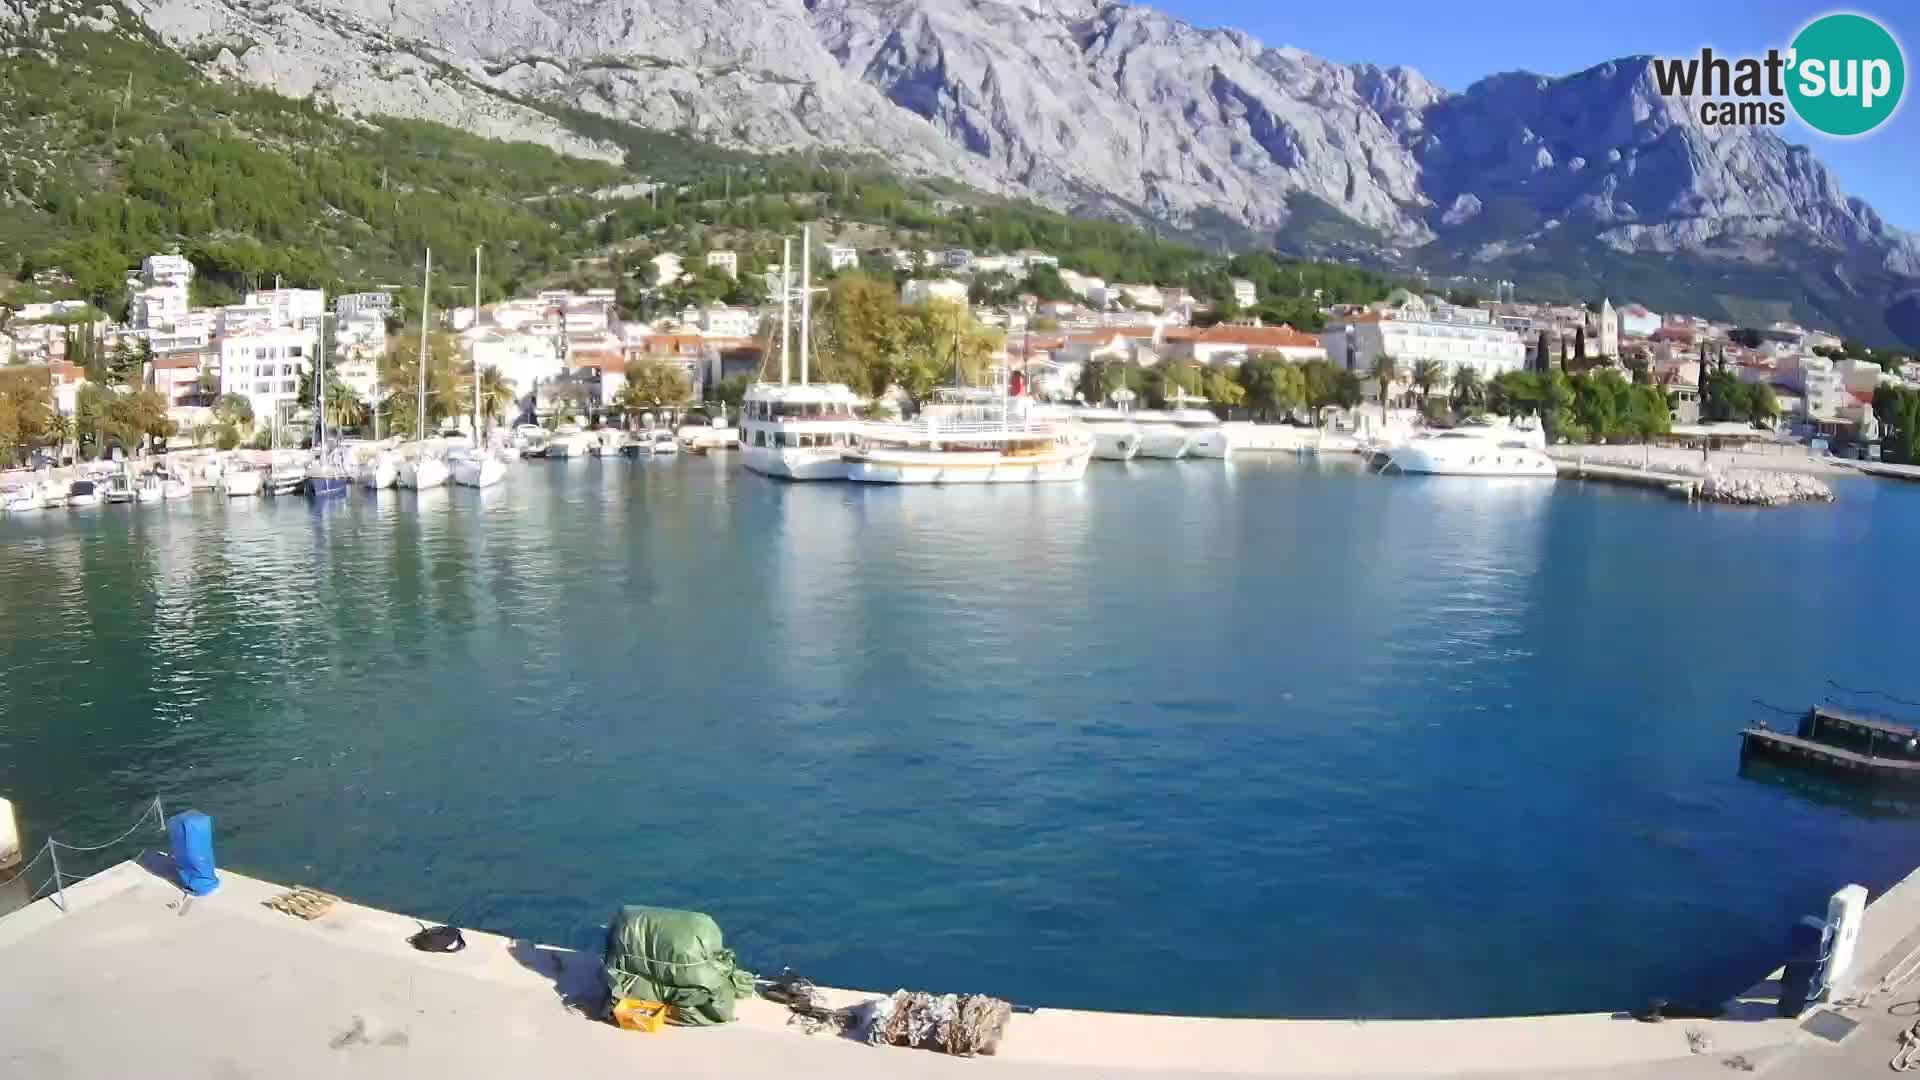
x: 676, y: 958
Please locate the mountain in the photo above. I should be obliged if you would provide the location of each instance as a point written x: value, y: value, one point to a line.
x: 1592, y: 181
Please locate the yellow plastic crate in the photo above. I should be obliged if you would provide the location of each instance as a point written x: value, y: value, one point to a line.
x: 635, y: 1015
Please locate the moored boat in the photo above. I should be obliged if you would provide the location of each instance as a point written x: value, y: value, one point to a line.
x: 380, y: 472
x: 798, y: 431
x: 82, y: 494
x: 476, y: 468
x: 424, y: 471
x: 149, y: 488
x: 118, y: 488
x: 1115, y: 436
x: 969, y: 437
x: 1475, y: 449
x: 239, y: 480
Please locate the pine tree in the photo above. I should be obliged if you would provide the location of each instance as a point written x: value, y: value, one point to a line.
x: 1540, y: 355
x: 1580, y: 347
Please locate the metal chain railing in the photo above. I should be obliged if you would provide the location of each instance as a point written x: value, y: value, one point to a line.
x: 52, y: 848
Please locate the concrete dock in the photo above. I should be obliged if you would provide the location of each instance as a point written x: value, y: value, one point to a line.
x: 136, y: 980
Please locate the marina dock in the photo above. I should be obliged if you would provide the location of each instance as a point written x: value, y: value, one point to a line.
x: 1854, y: 746
x: 135, y: 979
x: 1685, y: 487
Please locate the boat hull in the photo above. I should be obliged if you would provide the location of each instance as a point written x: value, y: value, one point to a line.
x: 176, y: 489
x: 327, y: 486
x: 81, y: 501
x: 379, y: 475
x: 424, y: 474
x: 1163, y: 443
x: 1490, y: 462
x: 796, y: 463
x: 1117, y: 445
x: 240, y: 484
x: 1210, y: 444
x: 479, y: 472
x: 959, y: 467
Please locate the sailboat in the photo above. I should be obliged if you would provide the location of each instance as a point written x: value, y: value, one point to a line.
x: 797, y: 431
x: 328, y: 478
x: 475, y: 467
x: 423, y: 470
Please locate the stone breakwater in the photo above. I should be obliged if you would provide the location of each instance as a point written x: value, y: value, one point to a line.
x: 1750, y: 487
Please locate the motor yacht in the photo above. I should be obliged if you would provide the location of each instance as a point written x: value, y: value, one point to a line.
x: 1475, y: 450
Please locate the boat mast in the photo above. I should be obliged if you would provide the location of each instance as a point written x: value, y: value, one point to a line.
x: 320, y: 375
x: 476, y: 359
x: 786, y: 303
x: 806, y: 295
x: 426, y: 306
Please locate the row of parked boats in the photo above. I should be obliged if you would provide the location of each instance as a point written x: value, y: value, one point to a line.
x: 119, y: 485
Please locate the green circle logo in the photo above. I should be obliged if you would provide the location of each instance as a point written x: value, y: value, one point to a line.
x: 1847, y: 75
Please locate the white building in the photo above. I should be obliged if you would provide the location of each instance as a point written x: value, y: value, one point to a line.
x: 190, y: 332
x: 921, y: 290
x: 1244, y: 294
x: 162, y: 292
x: 366, y: 305
x: 265, y: 365
x: 1233, y: 344
x: 299, y: 308
x: 728, y: 263
x: 1637, y: 321
x: 1412, y: 328
x: 719, y: 320
x: 525, y: 360
x: 957, y: 259
x: 842, y: 257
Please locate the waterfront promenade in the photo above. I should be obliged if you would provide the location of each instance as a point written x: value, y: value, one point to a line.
x: 135, y: 980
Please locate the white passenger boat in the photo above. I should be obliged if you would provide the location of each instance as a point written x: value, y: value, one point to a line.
x: 476, y: 468
x: 82, y: 494
x: 149, y: 489
x: 798, y: 431
x: 285, y: 478
x: 698, y: 431
x: 174, y: 487
x: 1475, y: 449
x: 969, y: 437
x: 20, y: 500
x: 53, y: 493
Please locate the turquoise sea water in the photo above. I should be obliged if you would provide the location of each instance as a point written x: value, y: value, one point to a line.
x: 1264, y: 739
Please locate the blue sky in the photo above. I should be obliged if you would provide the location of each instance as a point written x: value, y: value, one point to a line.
x: 1456, y: 44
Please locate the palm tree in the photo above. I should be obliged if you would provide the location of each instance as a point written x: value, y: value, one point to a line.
x: 1468, y: 388
x: 344, y: 407
x: 496, y: 393
x: 59, y: 430
x: 1386, y: 372
x: 1427, y: 374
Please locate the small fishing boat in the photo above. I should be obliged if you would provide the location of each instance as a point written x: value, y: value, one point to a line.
x: 23, y: 499
x: 286, y: 479
x: 53, y: 493
x: 119, y: 488
x: 239, y: 480
x: 174, y: 487
x: 82, y: 493
x: 149, y: 489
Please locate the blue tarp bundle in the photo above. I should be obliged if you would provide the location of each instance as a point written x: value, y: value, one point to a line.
x: 190, y: 836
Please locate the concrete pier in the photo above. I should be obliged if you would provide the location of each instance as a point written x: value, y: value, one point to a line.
x: 136, y: 980
x: 1684, y: 487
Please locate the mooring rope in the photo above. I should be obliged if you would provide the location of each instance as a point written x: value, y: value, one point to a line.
x: 153, y: 810
x: 1873, y: 693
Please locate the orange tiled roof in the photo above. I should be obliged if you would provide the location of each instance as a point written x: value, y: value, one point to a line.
x: 1272, y: 337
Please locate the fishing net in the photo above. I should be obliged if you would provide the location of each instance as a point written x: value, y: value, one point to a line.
x: 960, y: 1024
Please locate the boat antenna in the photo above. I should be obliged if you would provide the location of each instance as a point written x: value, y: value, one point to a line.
x: 426, y: 306
x: 786, y: 303
x: 806, y: 296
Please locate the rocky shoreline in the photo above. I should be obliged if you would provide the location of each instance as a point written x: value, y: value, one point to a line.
x: 1749, y: 487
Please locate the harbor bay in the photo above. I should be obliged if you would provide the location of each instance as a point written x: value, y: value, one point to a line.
x: 1379, y: 746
